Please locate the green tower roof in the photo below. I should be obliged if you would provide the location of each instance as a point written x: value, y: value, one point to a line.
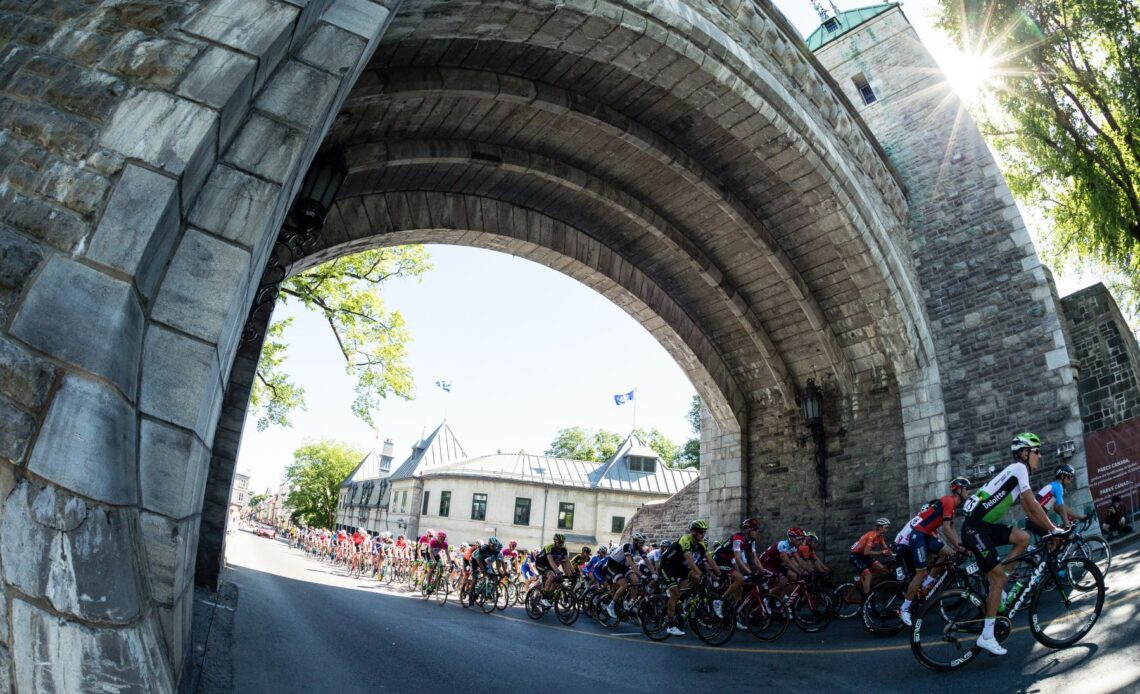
x: 840, y: 24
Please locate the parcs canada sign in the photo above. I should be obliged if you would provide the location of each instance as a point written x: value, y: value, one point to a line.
x: 1113, y: 457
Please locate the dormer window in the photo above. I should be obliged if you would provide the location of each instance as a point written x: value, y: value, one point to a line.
x: 641, y: 463
x: 831, y: 24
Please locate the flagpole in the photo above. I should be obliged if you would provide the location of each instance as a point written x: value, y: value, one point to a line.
x: 634, y: 410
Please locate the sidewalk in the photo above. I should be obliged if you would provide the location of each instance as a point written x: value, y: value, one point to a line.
x: 211, y: 668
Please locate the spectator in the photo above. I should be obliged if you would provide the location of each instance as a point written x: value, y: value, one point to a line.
x: 1116, y: 521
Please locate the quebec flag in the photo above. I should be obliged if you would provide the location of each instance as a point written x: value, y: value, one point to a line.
x: 445, y: 385
x: 621, y: 398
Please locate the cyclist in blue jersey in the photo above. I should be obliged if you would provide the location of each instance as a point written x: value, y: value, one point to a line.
x: 982, y: 534
x: 1052, y: 498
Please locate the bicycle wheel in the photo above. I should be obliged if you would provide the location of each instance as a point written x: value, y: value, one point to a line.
x: 713, y: 629
x: 442, y: 589
x: 881, y: 609
x: 565, y: 607
x: 847, y: 600
x: 532, y: 603
x: 1062, y: 617
x: 946, y: 628
x: 1095, y: 548
x: 502, y: 597
x: 488, y: 597
x: 767, y: 620
x: 601, y: 611
x: 811, y: 611
x: 651, y: 613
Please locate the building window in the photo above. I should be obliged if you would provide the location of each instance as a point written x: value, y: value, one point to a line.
x: 831, y: 24
x: 444, y: 504
x: 479, y: 507
x: 864, y: 88
x: 617, y: 525
x: 565, y: 516
x: 522, y: 511
x: 423, y: 510
x: 640, y: 463
x: 403, y: 501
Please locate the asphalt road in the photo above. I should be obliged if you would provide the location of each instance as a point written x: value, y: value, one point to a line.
x: 300, y: 626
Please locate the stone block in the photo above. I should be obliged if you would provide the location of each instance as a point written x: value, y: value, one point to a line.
x: 148, y: 60
x: 36, y: 218
x: 163, y: 130
x: 19, y: 258
x: 84, y: 317
x: 66, y: 135
x: 173, y: 465
x: 170, y: 546
x: 361, y: 17
x: 250, y: 26
x: 75, y: 187
x: 266, y: 148
x: 180, y: 381
x: 5, y: 655
x: 223, y: 80
x: 139, y: 226
x: 201, y: 286
x: 54, y: 655
x: 82, y: 559
x: 87, y: 442
x: 16, y: 429
x: 24, y: 378
x: 298, y: 94
x: 333, y: 50
x: 235, y: 205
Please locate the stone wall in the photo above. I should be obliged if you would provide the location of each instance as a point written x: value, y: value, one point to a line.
x: 1001, y: 349
x: 1107, y: 357
x: 666, y: 520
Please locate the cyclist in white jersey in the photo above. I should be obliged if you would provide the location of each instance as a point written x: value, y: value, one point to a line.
x: 982, y: 534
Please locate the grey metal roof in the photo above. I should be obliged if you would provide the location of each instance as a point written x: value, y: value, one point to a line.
x: 439, y: 448
x: 843, y: 22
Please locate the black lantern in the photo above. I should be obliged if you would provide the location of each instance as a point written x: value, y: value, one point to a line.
x: 813, y: 405
x: 319, y: 189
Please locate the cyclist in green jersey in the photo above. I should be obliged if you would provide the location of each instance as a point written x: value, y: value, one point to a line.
x: 681, y: 566
x: 982, y: 534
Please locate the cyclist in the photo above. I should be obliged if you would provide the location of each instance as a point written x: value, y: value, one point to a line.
x: 595, y: 568
x: 925, y: 545
x: 807, y: 553
x: 621, y: 568
x: 737, y: 557
x: 485, y: 558
x: 982, y: 534
x: 1052, y: 498
x: 438, y: 555
x: 527, y: 570
x: 781, y: 560
x: 865, y: 553
x: 681, y: 567
x: 510, y: 555
x: 579, y: 560
x: 549, y: 561
x: 653, y: 559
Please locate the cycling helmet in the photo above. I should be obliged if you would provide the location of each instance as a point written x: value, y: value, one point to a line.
x: 665, y: 544
x: 884, y: 522
x: 699, y: 525
x: 812, y: 540
x: 513, y: 543
x: 478, y: 543
x: 559, y: 538
x: 603, y: 550
x: 441, y: 536
x: 959, y: 483
x: 464, y: 545
x: 1024, y: 440
x: 585, y: 550
x: 750, y: 524
x: 795, y: 533
x: 638, y: 537
x: 1066, y: 469
x: 430, y: 532
x: 494, y: 542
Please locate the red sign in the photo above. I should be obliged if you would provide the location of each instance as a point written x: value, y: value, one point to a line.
x: 1113, y: 457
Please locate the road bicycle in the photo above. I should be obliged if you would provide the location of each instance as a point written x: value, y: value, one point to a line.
x: 709, y: 615
x: 438, y: 586
x: 485, y: 593
x: 847, y: 599
x: 948, y: 625
x: 763, y: 614
x: 883, y: 603
x: 562, y: 601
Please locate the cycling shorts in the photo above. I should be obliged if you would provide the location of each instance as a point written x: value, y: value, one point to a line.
x: 924, y: 548
x: 1035, y: 529
x: 861, y: 562
x: 613, y: 570
x: 983, y: 539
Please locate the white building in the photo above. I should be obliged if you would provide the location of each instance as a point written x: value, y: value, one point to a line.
x: 515, y: 496
x: 239, y: 497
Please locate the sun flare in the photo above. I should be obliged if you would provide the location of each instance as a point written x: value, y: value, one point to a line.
x: 969, y: 74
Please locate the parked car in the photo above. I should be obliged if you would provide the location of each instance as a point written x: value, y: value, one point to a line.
x: 266, y: 531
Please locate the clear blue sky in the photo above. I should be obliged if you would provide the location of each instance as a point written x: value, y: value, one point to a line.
x: 527, y: 350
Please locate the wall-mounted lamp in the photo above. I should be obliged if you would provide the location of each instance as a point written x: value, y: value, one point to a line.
x: 812, y: 401
x: 1067, y: 449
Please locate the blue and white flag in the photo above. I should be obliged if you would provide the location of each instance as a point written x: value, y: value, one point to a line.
x: 445, y: 385
x: 623, y: 397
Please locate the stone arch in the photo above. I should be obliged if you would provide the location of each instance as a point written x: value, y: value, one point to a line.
x: 743, y: 166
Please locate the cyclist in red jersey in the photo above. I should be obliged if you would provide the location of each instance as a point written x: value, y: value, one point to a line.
x: 924, y: 543
x: 866, y: 551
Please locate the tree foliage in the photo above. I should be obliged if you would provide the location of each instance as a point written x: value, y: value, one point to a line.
x: 1065, y: 116
x: 372, y: 339
x: 577, y: 443
x: 690, y: 454
x: 256, y: 499
x: 314, y: 477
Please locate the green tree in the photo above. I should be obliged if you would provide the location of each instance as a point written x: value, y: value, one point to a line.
x: 574, y: 443
x: 256, y: 499
x: 690, y: 455
x: 315, y: 476
x: 660, y: 444
x: 606, y: 444
x: 372, y: 339
x: 1065, y: 117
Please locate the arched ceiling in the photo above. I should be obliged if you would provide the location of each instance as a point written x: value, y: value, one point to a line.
x: 731, y: 217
